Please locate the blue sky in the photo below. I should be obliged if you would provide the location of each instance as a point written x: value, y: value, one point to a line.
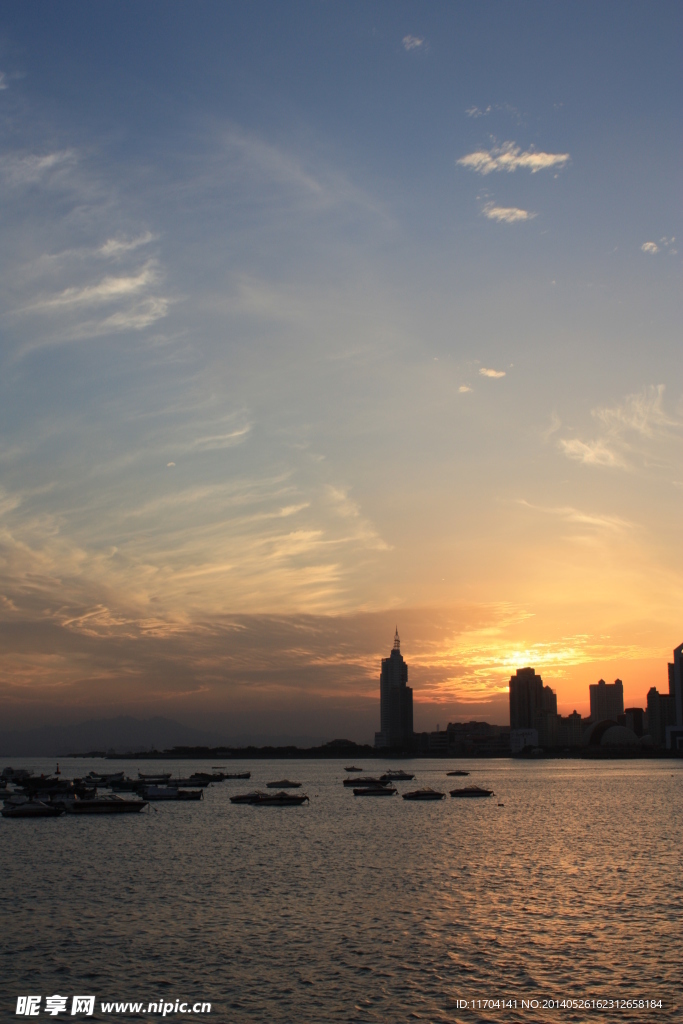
x: 319, y: 316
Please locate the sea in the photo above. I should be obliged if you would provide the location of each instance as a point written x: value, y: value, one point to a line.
x: 559, y: 898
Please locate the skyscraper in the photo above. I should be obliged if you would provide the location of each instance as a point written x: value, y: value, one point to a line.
x: 533, y: 711
x: 396, y: 701
x: 607, y: 700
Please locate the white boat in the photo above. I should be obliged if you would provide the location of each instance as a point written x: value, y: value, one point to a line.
x: 31, y: 809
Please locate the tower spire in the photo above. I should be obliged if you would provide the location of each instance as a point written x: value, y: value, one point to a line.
x: 397, y: 641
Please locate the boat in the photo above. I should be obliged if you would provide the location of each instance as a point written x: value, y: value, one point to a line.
x: 31, y: 809
x: 424, y: 794
x: 159, y: 777
x: 459, y: 771
x: 471, y: 791
x: 237, y: 775
x: 171, y: 793
x: 396, y: 776
x: 283, y: 784
x: 367, y: 781
x: 374, y: 791
x: 207, y: 777
x: 247, y: 798
x: 353, y: 768
x: 280, y: 800
x: 102, y: 805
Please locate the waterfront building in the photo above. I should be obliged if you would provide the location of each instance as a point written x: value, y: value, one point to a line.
x: 661, y: 713
x: 533, y: 706
x: 676, y: 683
x: 635, y: 720
x: 571, y: 730
x: 607, y: 700
x: 396, y: 701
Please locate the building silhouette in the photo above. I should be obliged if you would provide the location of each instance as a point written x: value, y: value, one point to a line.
x: 533, y: 712
x: 607, y: 700
x: 396, y: 701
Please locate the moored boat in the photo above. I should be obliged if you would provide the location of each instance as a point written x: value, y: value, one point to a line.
x: 471, y: 791
x: 374, y: 791
x: 353, y: 768
x: 283, y: 784
x: 31, y: 809
x: 396, y: 776
x: 171, y: 793
x: 102, y: 805
x: 458, y: 771
x: 280, y: 800
x: 424, y: 794
x: 367, y: 781
x: 247, y: 798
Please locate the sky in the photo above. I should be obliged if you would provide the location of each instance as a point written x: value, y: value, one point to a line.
x: 321, y: 319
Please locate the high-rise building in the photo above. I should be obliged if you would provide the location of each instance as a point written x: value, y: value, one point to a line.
x: 661, y: 712
x: 676, y: 683
x: 607, y: 700
x: 533, y: 711
x: 396, y: 701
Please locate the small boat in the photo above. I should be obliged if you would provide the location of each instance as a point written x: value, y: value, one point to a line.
x: 471, y: 791
x: 207, y: 777
x: 424, y: 794
x: 171, y: 793
x: 280, y: 800
x: 247, y: 798
x: 353, y: 768
x: 158, y: 777
x: 31, y: 809
x: 283, y: 784
x: 237, y: 775
x: 458, y: 772
x: 396, y: 776
x: 367, y: 781
x: 102, y: 805
x: 374, y: 791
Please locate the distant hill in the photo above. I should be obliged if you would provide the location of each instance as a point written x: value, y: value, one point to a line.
x: 120, y: 734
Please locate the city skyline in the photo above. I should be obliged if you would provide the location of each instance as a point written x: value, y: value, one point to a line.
x: 316, y: 319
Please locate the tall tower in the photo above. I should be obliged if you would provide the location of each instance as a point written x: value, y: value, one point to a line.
x: 396, y: 701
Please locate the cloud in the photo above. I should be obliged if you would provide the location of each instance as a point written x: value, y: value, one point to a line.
x: 509, y: 157
x: 506, y: 214
x: 613, y: 524
x: 27, y: 170
x: 118, y: 246
x: 3, y: 81
x: 107, y: 290
x: 217, y: 441
x: 464, y: 388
x: 651, y: 248
x: 636, y: 428
x: 412, y: 42
x: 592, y: 453
x: 491, y: 373
x: 477, y: 112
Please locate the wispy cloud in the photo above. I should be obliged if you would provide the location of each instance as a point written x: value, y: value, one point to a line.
x: 485, y: 372
x: 464, y: 388
x: 26, y: 170
x: 119, y: 246
x: 614, y: 524
x: 3, y: 81
x: 107, y: 290
x: 635, y: 429
x: 509, y: 157
x: 218, y: 441
x: 506, y: 214
x: 650, y: 247
x: 413, y: 42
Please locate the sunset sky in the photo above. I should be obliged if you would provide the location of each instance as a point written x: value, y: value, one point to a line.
x: 318, y: 319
